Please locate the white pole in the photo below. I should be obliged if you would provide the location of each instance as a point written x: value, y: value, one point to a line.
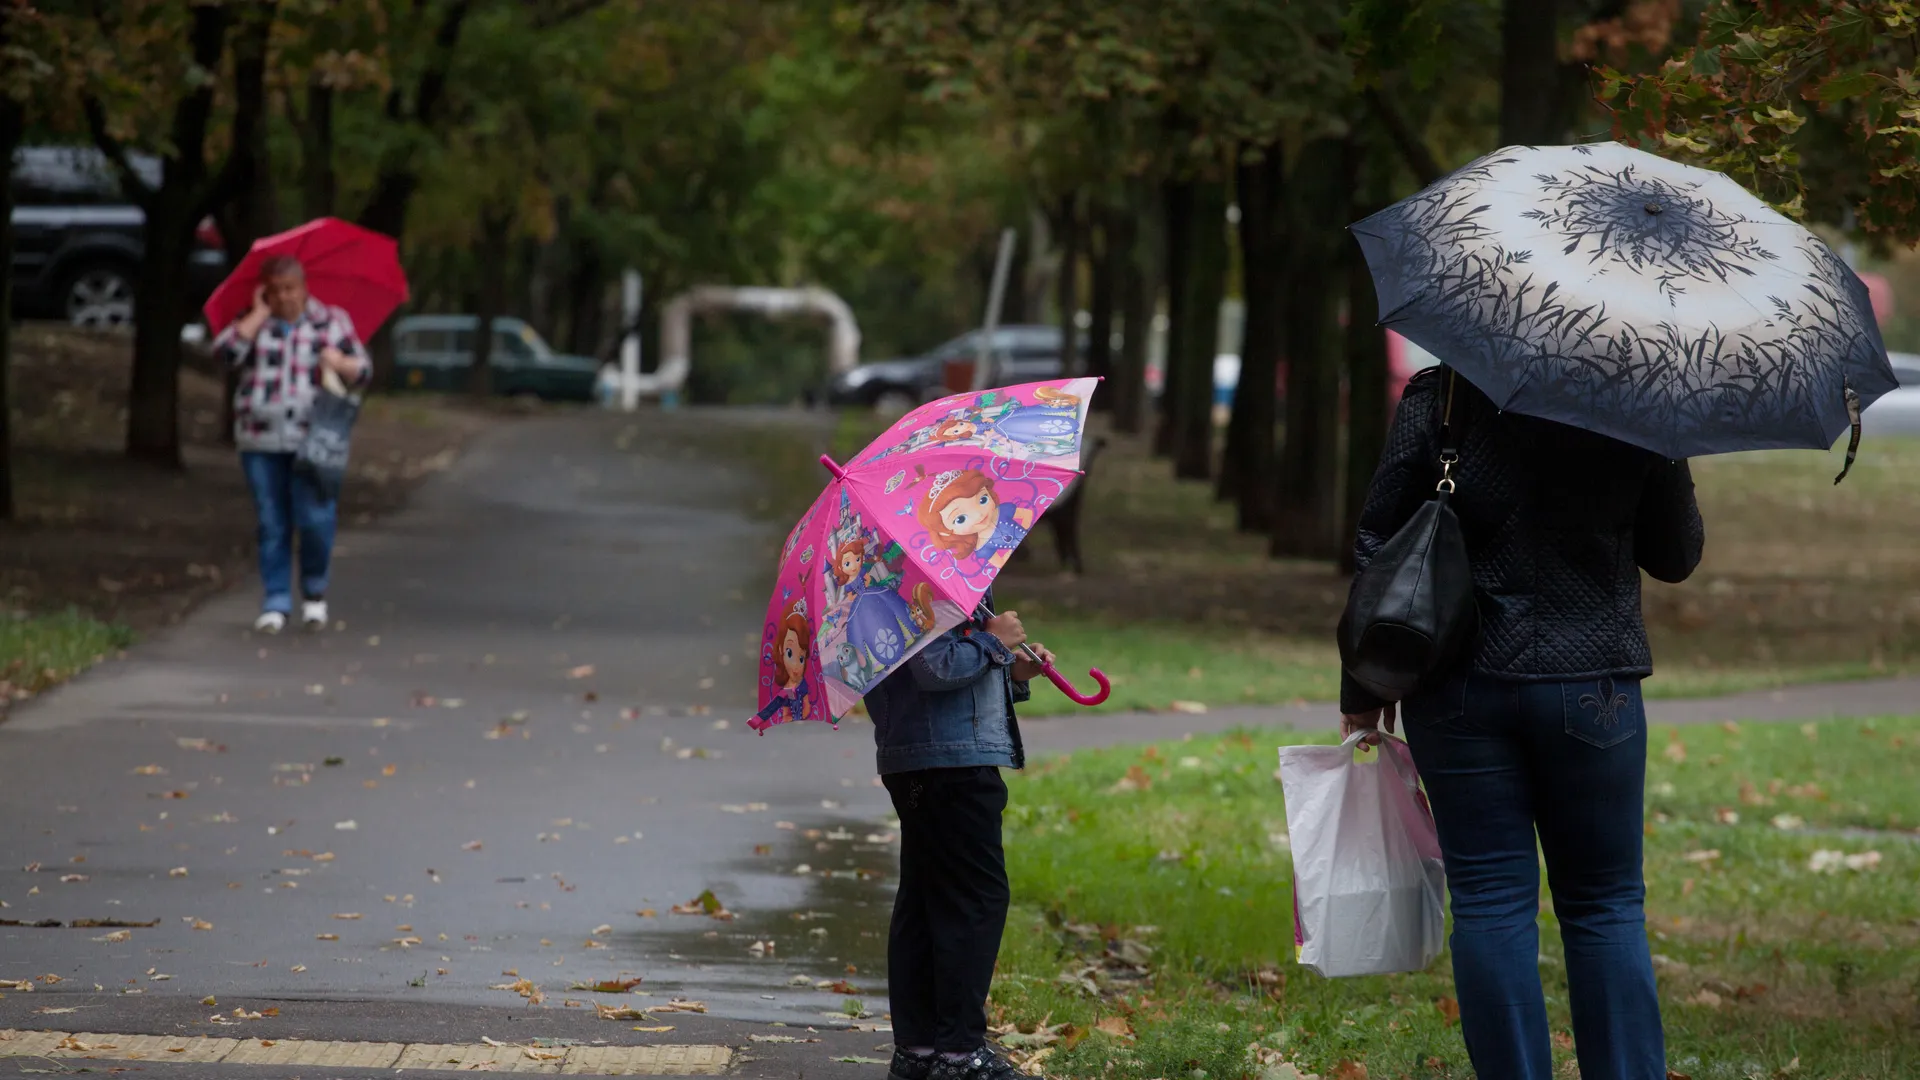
x: 1002, y: 262
x: 630, y: 345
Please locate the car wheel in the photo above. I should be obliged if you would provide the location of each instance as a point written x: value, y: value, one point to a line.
x: 99, y: 297
x: 894, y: 403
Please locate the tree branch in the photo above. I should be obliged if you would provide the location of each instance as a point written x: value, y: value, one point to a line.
x: 1412, y: 148
x: 249, y: 94
x: 116, y: 153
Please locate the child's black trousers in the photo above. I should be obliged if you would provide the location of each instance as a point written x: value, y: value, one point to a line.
x: 951, y: 907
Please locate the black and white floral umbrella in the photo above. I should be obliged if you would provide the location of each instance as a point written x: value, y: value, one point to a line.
x: 1655, y: 302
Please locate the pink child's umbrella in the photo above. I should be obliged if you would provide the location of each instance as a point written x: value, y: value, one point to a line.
x: 907, y: 539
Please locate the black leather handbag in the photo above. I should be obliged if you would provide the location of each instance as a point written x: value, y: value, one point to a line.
x: 1411, y: 612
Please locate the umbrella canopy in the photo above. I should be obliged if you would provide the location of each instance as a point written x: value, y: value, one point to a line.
x: 1613, y: 290
x: 907, y: 539
x: 348, y: 267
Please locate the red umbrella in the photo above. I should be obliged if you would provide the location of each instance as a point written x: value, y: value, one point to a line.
x: 348, y: 267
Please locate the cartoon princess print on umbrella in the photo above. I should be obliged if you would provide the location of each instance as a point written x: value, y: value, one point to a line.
x: 964, y: 517
x: 1046, y: 426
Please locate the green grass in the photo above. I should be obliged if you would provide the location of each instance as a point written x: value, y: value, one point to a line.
x: 1819, y: 966
x: 40, y: 651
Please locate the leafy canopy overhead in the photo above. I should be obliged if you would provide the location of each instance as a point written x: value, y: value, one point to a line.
x: 1814, y: 104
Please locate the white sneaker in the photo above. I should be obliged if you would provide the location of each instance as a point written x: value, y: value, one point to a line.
x: 271, y: 622
x: 313, y: 614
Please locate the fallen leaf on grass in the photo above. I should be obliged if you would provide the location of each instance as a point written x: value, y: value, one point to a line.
x: 1135, y: 780
x: 1348, y: 1070
x: 1706, y: 856
x: 1787, y: 822
x: 1116, y: 1026
x: 1191, y: 708
x: 1449, y: 1010
x: 1563, y: 1040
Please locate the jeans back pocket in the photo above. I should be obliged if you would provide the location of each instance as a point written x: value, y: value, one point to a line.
x: 1603, y: 712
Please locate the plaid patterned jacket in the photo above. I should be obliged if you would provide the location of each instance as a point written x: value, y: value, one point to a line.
x: 280, y: 373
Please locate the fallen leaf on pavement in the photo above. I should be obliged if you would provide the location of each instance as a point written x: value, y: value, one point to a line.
x: 679, y: 1005
x: 607, y: 986
x: 584, y: 671
x: 346, y: 826
x: 326, y: 937
x: 200, y: 924
x: 73, y: 1043
x: 471, y: 845
x: 540, y: 1055
x: 70, y: 879
x: 347, y: 915
x: 523, y: 987
x: 660, y: 1030
x: 297, y: 968
x: 24, y: 986
x: 645, y: 913
x: 116, y: 937
x: 178, y: 871
x: 619, y: 1012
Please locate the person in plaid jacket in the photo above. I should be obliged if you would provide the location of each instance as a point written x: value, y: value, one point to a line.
x: 283, y: 349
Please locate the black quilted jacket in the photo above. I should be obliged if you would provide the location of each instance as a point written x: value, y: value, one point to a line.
x: 1558, y: 521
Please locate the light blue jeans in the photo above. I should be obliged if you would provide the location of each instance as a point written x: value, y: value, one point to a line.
x: 287, y: 502
x: 1566, y: 761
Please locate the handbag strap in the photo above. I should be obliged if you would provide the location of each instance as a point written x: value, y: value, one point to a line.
x: 1449, y: 451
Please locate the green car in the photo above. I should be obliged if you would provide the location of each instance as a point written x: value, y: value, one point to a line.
x: 435, y: 352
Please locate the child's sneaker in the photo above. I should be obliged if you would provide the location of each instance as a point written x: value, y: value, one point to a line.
x: 270, y: 622
x: 982, y: 1064
x: 910, y: 1066
x: 313, y: 615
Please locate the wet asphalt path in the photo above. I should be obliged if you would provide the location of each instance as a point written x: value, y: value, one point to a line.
x: 526, y: 733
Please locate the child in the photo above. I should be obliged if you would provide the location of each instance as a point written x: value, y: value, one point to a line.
x: 944, y: 726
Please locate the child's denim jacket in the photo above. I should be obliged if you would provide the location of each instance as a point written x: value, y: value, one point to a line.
x: 950, y: 706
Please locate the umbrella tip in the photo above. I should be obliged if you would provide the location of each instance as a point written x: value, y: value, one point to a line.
x: 838, y: 472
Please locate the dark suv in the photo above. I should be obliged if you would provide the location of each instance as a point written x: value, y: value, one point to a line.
x: 1021, y: 354
x: 77, y: 241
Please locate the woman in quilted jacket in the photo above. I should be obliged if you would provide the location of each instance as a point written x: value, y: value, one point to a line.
x: 1540, y: 733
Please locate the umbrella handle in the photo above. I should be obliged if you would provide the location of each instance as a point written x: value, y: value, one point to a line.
x: 1106, y: 685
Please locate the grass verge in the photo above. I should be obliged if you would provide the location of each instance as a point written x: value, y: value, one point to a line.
x: 41, y: 651
x: 1153, y: 917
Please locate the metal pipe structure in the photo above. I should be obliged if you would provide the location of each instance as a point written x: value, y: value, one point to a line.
x: 676, y: 327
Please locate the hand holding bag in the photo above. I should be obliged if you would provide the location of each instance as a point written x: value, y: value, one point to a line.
x: 322, y: 455
x: 1369, y: 884
x: 1411, y: 612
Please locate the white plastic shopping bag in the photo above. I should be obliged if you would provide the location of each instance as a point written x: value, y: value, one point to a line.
x: 1368, y: 881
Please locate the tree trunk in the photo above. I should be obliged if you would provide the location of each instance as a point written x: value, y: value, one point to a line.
x: 1306, y: 509
x: 1178, y: 199
x: 1133, y: 236
x: 12, y: 123
x: 586, y: 288
x: 1066, y: 282
x: 1532, y: 108
x: 490, y: 299
x: 1107, y: 261
x: 160, y: 299
x: 1206, y: 288
x: 1246, y: 467
x: 317, y: 178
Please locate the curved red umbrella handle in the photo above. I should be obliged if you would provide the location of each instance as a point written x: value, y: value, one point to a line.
x: 1095, y: 698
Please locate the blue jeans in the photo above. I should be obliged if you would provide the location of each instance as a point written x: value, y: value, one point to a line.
x: 287, y: 502
x: 1502, y: 762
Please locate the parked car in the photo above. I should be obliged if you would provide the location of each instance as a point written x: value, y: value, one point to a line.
x: 78, y: 242
x: 435, y: 352
x: 1021, y: 353
x: 1898, y: 410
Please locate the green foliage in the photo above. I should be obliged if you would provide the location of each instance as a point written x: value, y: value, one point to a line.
x: 1814, y: 104
x: 37, y: 652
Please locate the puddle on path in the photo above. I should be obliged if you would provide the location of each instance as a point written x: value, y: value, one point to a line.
x: 835, y: 934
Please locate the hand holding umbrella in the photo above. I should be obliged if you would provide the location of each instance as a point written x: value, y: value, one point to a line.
x: 1043, y: 659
